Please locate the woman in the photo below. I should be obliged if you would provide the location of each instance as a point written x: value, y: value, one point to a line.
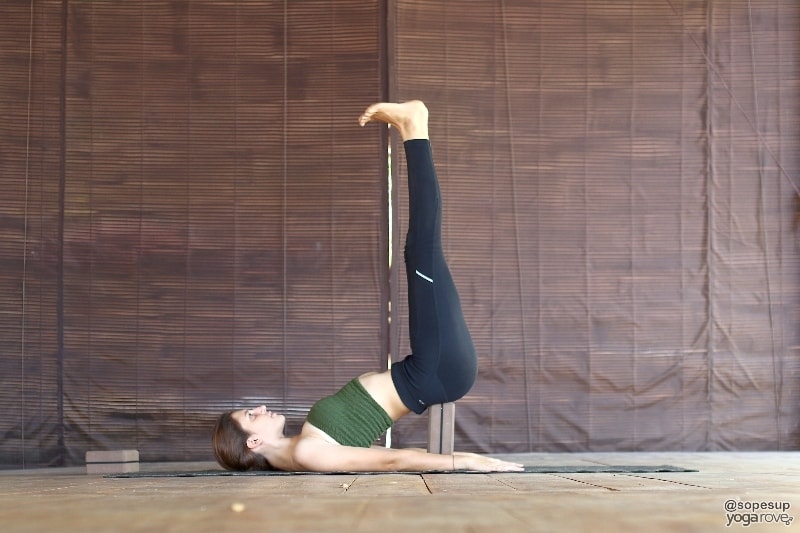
x: 339, y: 430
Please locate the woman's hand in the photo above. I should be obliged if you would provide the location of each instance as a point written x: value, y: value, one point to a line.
x: 481, y: 463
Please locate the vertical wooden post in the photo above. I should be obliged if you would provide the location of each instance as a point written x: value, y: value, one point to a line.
x: 441, y: 428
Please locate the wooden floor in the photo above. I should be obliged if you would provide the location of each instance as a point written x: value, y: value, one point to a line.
x: 60, y: 500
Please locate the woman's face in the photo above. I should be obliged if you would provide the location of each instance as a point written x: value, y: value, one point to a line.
x: 259, y: 421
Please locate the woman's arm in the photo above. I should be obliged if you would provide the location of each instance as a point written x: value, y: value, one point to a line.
x: 317, y: 455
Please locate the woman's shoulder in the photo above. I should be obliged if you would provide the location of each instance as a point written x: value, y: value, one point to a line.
x: 313, y: 448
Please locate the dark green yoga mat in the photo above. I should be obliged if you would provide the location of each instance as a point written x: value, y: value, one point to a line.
x: 590, y: 469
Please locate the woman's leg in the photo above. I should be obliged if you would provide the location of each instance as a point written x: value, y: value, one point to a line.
x: 442, y: 366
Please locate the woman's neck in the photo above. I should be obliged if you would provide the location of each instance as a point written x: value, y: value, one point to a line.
x: 280, y: 454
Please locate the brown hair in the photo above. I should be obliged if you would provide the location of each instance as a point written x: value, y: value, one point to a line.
x: 230, y: 446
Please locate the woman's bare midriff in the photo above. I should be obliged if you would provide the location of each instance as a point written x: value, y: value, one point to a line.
x: 381, y: 387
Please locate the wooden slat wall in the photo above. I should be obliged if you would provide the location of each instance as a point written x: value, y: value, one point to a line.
x: 30, y: 168
x: 619, y: 217
x: 753, y: 245
x: 620, y: 184
x: 223, y: 215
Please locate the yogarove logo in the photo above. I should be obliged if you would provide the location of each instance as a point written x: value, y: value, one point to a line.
x: 746, y: 513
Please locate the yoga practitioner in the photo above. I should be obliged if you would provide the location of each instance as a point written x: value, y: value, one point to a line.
x: 339, y: 430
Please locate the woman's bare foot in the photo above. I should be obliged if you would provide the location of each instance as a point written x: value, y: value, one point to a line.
x: 410, y: 118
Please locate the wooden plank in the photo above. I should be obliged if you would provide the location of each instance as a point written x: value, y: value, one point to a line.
x: 387, y: 485
x: 625, y: 482
x: 430, y: 514
x: 430, y: 502
x: 497, y: 483
x: 467, y: 484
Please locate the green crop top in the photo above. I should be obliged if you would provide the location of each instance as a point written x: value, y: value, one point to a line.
x: 351, y: 416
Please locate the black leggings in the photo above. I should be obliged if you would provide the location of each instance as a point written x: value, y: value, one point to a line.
x: 442, y: 366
